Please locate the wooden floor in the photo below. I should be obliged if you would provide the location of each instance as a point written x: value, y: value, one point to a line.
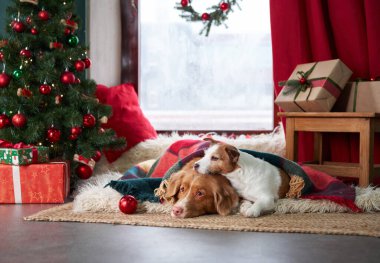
x: 22, y: 241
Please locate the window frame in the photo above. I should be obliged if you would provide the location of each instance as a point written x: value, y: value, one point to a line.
x: 130, y: 60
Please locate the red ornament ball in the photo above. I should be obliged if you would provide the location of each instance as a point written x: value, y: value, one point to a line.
x: 79, y: 65
x: 67, y: 31
x: 25, y: 53
x: 34, y: 31
x: 76, y: 130
x: 302, y: 81
x: 77, y: 81
x: 224, y: 6
x: 18, y: 26
x: 43, y: 15
x: 4, y: 121
x: 4, y: 80
x: 73, y: 137
x: 87, y: 62
x: 128, y: 204
x: 53, y: 135
x: 97, y: 156
x: 89, y: 120
x: 45, y: 89
x: 1, y: 56
x: 83, y: 171
x: 184, y: 3
x: 19, y: 120
x: 67, y: 77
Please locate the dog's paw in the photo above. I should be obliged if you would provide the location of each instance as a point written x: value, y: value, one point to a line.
x: 253, y: 211
x: 244, y: 206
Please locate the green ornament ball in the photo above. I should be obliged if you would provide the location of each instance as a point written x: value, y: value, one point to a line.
x: 73, y: 40
x: 17, y: 73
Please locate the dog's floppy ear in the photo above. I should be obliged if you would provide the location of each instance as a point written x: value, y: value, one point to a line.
x: 233, y: 153
x: 173, y: 185
x: 226, y: 199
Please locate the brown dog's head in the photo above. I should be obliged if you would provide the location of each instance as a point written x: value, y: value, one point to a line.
x: 219, y: 158
x: 196, y: 194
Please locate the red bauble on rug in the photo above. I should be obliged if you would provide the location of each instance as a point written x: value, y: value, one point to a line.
x: 128, y: 204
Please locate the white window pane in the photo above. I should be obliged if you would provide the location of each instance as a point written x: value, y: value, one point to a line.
x: 193, y: 82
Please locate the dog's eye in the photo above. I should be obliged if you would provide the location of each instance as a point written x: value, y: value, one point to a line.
x: 199, y: 193
x: 214, y: 158
x: 182, y: 189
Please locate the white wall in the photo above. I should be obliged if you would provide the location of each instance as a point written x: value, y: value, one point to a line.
x: 105, y: 41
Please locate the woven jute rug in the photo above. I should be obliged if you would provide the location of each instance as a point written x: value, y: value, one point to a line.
x: 363, y: 224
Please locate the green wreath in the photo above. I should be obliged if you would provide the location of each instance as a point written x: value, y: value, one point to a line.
x: 217, y: 14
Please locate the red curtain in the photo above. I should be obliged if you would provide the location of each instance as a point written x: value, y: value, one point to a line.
x: 315, y: 30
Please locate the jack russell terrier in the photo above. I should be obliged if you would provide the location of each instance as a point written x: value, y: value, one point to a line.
x: 258, y: 182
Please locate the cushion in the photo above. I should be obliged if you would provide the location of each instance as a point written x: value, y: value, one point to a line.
x: 127, y: 119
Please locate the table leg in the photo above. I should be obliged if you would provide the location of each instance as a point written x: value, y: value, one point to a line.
x: 291, y: 140
x: 318, y: 150
x: 366, y: 152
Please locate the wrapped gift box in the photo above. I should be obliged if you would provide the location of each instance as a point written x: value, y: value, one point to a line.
x: 327, y: 80
x: 35, y: 183
x: 24, y: 156
x: 362, y: 96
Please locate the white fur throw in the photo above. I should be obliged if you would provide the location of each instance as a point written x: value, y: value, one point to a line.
x: 91, y: 196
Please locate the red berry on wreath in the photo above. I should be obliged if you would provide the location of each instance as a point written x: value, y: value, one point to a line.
x: 53, y: 135
x: 19, y: 120
x: 18, y: 26
x: 97, y: 156
x: 67, y: 77
x: 205, y: 16
x: 302, y: 81
x: 87, y: 62
x: 128, y: 204
x: 224, y: 6
x: 45, y: 89
x: 79, y: 65
x: 89, y: 120
x: 4, y: 80
x: 184, y: 3
x: 4, y: 121
x: 43, y: 15
x: 83, y: 171
x: 34, y: 31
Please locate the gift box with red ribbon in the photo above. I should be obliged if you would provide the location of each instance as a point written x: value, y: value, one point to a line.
x: 22, y: 154
x: 35, y: 183
x: 314, y: 87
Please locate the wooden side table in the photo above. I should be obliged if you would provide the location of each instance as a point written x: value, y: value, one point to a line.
x: 364, y: 123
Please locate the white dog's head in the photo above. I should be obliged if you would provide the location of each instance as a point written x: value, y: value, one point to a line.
x: 219, y: 158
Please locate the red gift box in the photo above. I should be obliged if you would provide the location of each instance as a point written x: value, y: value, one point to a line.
x: 35, y: 183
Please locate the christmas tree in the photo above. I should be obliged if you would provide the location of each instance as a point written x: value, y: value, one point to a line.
x: 45, y: 98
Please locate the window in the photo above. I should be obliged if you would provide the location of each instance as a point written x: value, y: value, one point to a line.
x: 191, y: 82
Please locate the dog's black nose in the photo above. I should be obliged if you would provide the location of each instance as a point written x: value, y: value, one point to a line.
x: 196, y: 166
